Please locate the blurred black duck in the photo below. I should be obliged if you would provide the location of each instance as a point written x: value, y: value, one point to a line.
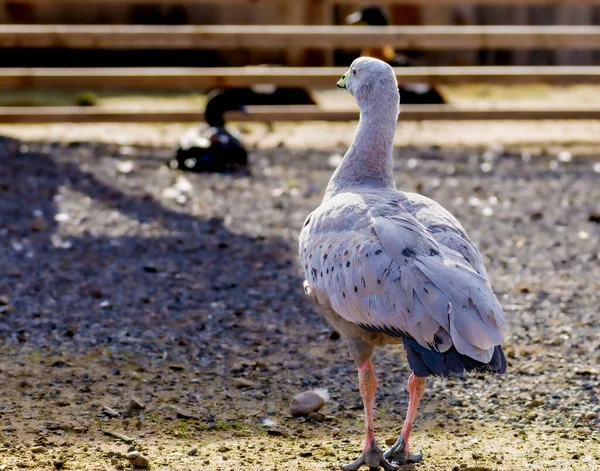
x: 210, y: 147
x: 411, y: 93
x: 267, y: 94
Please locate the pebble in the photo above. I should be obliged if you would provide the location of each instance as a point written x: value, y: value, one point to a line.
x: 110, y: 412
x: 242, y: 383
x: 590, y: 416
x: 184, y: 413
x: 223, y: 449
x: 38, y: 449
x: 125, y: 166
x: 38, y: 224
x: 594, y: 217
x: 305, y: 403
x: 316, y: 417
x: 193, y: 451
x: 534, y: 403
x: 137, y: 459
x: 134, y: 406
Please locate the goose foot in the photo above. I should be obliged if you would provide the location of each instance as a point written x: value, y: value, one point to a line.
x: 398, y: 456
x: 373, y: 458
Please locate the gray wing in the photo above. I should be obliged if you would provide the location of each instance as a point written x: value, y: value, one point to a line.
x: 445, y: 229
x: 384, y: 270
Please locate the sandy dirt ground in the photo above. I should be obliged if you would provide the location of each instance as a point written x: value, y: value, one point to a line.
x: 122, y: 279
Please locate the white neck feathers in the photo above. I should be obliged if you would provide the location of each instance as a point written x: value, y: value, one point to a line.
x: 369, y: 159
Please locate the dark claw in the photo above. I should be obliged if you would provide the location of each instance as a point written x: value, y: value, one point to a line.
x: 354, y: 465
x: 398, y: 456
x: 373, y: 458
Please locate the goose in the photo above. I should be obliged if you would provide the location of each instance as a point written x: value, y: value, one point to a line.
x: 389, y: 267
x: 211, y: 147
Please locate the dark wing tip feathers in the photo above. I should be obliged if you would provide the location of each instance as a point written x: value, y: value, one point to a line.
x: 425, y: 362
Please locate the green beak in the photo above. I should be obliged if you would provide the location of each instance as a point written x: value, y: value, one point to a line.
x: 342, y: 82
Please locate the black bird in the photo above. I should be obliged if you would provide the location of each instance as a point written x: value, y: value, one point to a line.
x: 412, y: 93
x: 210, y: 147
x: 268, y: 94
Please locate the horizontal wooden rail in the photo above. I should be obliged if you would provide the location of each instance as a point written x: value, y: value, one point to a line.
x: 298, y: 36
x: 353, y: 2
x: 190, y: 78
x: 23, y: 115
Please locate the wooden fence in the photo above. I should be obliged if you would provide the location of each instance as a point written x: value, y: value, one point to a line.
x: 298, y: 36
x: 217, y: 77
x: 292, y: 37
x: 54, y: 114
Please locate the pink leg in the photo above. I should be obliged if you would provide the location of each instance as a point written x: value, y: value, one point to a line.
x: 368, y: 386
x: 399, y: 453
x: 416, y: 388
x: 372, y: 455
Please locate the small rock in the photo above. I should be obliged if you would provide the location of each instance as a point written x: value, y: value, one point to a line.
x: 193, y: 451
x: 536, y: 216
x: 476, y: 456
x: 590, y: 416
x: 305, y: 403
x: 52, y: 425
x: 594, y: 217
x: 334, y: 335
x: 184, y: 413
x: 125, y: 166
x: 316, y: 417
x: 137, y: 459
x: 6, y: 308
x: 4, y: 301
x: 38, y: 449
x: 223, y: 449
x: 134, y: 406
x: 534, y: 403
x: 242, y: 383
x: 177, y: 367
x: 110, y: 412
x: 38, y: 224
x: 305, y: 454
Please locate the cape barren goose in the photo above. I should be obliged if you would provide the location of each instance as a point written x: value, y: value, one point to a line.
x: 389, y: 267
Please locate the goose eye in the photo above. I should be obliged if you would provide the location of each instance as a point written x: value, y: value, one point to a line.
x: 354, y: 72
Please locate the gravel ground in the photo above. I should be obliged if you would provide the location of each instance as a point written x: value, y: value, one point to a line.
x: 123, y: 279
